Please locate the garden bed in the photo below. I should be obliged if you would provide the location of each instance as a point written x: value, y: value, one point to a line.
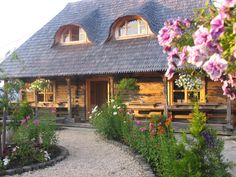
x: 58, y: 153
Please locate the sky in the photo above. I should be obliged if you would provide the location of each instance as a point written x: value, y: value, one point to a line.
x: 20, y: 19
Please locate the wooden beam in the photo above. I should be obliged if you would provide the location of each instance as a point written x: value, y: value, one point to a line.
x: 165, y: 96
x: 20, y: 95
x: 88, y: 98
x: 68, y: 81
x: 229, y: 113
x: 36, y: 103
x: 112, y: 87
x: 54, y: 91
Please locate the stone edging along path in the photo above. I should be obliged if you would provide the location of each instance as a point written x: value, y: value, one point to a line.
x: 148, y: 172
x: 64, y: 153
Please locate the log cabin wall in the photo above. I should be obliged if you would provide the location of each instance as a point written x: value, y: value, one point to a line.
x: 149, y: 100
x: 151, y: 93
x: 61, y: 97
x: 77, y: 97
x: 151, y: 89
x: 214, y: 92
x: 29, y: 95
x: 215, y: 95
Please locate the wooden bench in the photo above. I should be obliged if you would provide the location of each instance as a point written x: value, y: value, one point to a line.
x: 147, y: 114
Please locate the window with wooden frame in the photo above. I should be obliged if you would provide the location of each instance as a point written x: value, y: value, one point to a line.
x: 73, y: 35
x: 132, y: 27
x: 179, y: 95
x: 47, y: 95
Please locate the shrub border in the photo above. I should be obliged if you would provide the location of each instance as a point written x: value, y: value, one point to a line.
x: 148, y: 172
x: 63, y: 154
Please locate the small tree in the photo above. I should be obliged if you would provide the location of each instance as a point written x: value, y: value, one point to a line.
x: 8, y: 94
x: 38, y: 85
x: 127, y: 88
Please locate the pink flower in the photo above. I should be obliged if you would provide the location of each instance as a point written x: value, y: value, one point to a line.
x: 53, y: 110
x: 27, y: 117
x: 217, y: 27
x: 229, y: 3
x: 187, y: 22
x: 23, y: 121
x: 142, y: 129
x: 214, y: 47
x: 224, y: 12
x: 173, y: 54
x: 170, y: 72
x: 228, y: 90
x: 197, y: 55
x: 166, y: 49
x: 165, y: 37
x: 153, y: 132
x: 215, y: 66
x: 201, y: 36
x: 151, y: 126
x: 183, y: 56
x: 232, y: 80
x: 138, y: 122
x: 172, y: 29
x: 36, y: 122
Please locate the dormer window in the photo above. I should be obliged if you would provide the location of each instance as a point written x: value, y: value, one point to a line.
x: 72, y: 34
x: 131, y: 27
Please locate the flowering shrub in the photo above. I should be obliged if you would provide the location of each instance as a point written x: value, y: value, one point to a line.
x: 21, y: 109
x: 33, y: 141
x: 198, y: 155
x: 111, y: 120
x: 206, y: 42
x: 202, y: 151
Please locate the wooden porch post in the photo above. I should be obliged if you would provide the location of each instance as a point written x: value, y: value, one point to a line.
x: 165, y: 96
x: 36, y: 103
x: 112, y: 87
x: 229, y: 115
x: 20, y: 95
x: 68, y: 80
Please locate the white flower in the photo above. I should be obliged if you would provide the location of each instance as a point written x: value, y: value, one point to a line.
x: 114, y: 107
x: 46, y: 155
x: 115, y: 113
x: 6, y: 161
x: 95, y: 109
x: 112, y: 101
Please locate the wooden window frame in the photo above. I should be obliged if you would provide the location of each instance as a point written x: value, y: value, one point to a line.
x: 70, y: 42
x: 126, y: 36
x: 171, y: 92
x: 46, y: 93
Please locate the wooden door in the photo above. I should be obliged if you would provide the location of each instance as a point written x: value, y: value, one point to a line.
x: 98, y: 92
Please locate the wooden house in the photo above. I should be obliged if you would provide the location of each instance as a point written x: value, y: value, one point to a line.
x: 92, y: 44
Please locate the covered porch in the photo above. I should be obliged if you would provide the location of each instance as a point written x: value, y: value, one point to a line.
x: 74, y: 97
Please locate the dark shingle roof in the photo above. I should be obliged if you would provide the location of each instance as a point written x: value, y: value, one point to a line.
x: 39, y: 57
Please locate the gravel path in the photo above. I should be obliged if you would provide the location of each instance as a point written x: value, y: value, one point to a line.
x: 230, y: 154
x: 90, y: 156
